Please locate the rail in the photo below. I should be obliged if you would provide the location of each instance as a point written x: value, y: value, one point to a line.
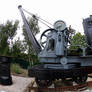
x: 79, y: 88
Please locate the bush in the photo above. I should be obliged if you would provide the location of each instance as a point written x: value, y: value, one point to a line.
x: 15, y: 68
x: 22, y: 63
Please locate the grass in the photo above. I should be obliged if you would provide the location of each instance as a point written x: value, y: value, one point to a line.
x: 15, y: 68
x: 18, y: 71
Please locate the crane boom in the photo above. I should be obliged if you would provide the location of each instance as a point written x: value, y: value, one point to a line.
x: 35, y: 44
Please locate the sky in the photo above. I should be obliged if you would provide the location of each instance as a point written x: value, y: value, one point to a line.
x: 71, y: 11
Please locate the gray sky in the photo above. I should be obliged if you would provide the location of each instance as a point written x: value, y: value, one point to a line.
x: 70, y: 11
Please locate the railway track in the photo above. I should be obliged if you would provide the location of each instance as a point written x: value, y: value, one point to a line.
x: 86, y: 87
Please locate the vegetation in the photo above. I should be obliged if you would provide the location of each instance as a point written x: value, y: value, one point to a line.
x: 79, y: 40
x: 15, y: 68
x: 7, y: 33
x: 17, y: 48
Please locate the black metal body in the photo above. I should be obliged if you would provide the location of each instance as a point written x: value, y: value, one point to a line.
x: 41, y: 73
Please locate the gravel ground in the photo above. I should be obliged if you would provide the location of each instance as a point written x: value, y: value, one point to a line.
x: 20, y: 84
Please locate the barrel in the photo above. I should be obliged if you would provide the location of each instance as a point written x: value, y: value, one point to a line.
x: 5, y: 74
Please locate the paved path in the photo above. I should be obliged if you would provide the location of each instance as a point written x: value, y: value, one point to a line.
x: 20, y: 84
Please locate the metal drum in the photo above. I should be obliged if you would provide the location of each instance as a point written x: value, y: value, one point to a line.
x: 5, y: 75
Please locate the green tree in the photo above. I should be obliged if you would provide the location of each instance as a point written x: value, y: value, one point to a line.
x: 7, y: 32
x: 78, y: 41
x: 17, y: 48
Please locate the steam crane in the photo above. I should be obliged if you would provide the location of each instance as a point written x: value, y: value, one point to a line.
x: 53, y: 53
